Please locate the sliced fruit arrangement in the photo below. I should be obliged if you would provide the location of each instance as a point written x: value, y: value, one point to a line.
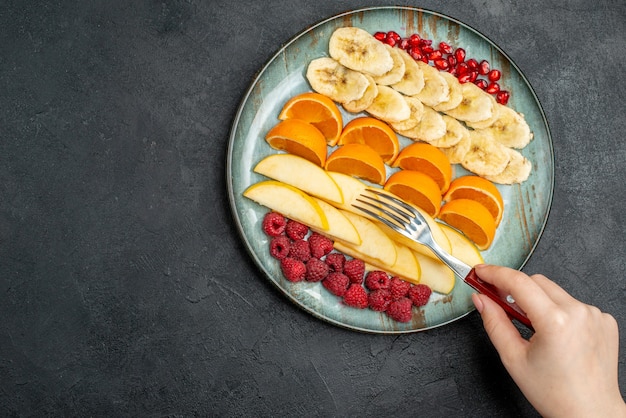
x: 353, y: 233
x: 389, y: 77
x: 454, y: 111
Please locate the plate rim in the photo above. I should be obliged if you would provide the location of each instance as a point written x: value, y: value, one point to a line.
x: 248, y: 93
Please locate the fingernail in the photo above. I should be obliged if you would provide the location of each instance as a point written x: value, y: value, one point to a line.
x: 477, y: 302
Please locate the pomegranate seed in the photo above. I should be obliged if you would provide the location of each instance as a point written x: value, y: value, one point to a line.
x: 494, y: 75
x: 451, y: 60
x: 452, y: 70
x: 493, y: 88
x: 390, y: 41
x: 462, y: 68
x: 427, y: 49
x: 473, y: 76
x: 502, y: 97
x: 459, y: 54
x: 472, y: 63
x: 404, y: 44
x: 483, y: 67
x: 414, y: 40
x: 425, y: 59
x: 415, y: 53
x: 441, y: 64
x: 380, y: 36
x: 481, y: 83
x: 445, y: 48
x: 464, y: 78
x: 424, y: 42
x: 394, y: 35
x: 435, y: 55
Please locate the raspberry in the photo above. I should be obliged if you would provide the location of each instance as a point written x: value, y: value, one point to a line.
x: 316, y: 270
x: 274, y: 224
x: 354, y: 269
x: 295, y: 230
x: 401, y: 310
x: 300, y: 250
x: 320, y: 245
x: 356, y: 296
x: 336, y: 261
x: 279, y: 247
x: 377, y: 279
x: 293, y: 270
x: 379, y: 300
x: 336, y: 283
x: 419, y: 294
x: 399, y: 288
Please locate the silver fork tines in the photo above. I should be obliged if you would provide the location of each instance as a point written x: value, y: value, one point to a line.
x: 406, y: 220
x: 394, y: 213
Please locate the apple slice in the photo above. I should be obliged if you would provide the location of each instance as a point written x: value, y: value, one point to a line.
x: 435, y: 274
x: 375, y: 244
x: 350, y: 187
x: 302, y: 174
x: 339, y: 227
x: 405, y: 267
x: 462, y: 247
x: 289, y: 201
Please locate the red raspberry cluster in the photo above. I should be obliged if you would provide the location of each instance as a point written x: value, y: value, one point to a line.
x: 308, y: 256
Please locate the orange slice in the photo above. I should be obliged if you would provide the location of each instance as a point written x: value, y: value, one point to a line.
x: 358, y: 160
x: 472, y: 219
x: 373, y: 132
x: 317, y: 109
x: 479, y: 189
x: 417, y: 188
x: 428, y: 159
x: 300, y: 138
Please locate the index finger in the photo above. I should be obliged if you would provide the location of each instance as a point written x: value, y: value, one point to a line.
x: 528, y: 295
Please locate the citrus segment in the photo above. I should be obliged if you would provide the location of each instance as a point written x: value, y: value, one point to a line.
x: 427, y: 159
x: 358, y: 160
x: 317, y: 109
x: 300, y: 138
x: 471, y: 218
x: 479, y: 189
x: 417, y: 188
x: 373, y: 132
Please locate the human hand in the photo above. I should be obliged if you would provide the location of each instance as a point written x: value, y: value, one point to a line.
x: 569, y: 366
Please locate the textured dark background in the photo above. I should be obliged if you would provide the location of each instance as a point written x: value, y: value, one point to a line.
x: 125, y: 289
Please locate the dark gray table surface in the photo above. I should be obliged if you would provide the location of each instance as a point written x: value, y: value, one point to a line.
x: 125, y: 288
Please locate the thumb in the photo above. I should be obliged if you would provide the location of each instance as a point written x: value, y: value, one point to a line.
x: 501, y: 331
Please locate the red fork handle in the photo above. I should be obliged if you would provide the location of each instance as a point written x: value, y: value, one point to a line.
x: 501, y: 298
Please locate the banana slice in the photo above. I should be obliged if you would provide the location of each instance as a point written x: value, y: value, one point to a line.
x: 417, y: 112
x: 358, y: 50
x: 456, y: 93
x: 330, y: 78
x: 397, y: 71
x: 359, y: 105
x: 475, y: 106
x: 389, y: 106
x: 455, y: 132
x: 413, y: 79
x: 436, y: 89
x: 456, y: 153
x: 510, y: 128
x: 486, y: 156
x: 516, y: 171
x: 482, y: 124
x: 430, y: 128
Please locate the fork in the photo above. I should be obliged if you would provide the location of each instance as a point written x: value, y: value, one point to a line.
x: 406, y: 220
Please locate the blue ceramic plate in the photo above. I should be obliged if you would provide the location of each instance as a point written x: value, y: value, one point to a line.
x: 526, y: 205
